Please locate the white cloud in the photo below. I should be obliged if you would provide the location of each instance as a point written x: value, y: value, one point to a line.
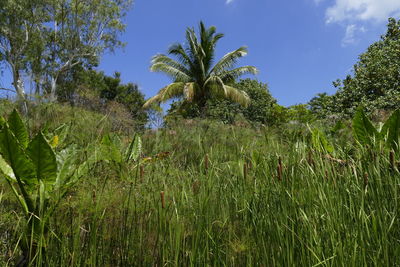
x: 229, y: 1
x: 362, y: 10
x: 351, y: 34
x: 356, y: 15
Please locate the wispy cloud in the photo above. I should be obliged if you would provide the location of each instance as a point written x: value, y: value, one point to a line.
x: 355, y: 15
x: 229, y: 1
x: 362, y: 10
x: 350, y: 36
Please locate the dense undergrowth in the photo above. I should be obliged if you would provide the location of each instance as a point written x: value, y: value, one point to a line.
x: 206, y: 193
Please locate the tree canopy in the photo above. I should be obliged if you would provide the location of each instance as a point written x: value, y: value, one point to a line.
x: 375, y: 83
x: 195, y: 77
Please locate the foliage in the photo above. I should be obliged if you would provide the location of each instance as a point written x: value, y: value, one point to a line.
x: 320, y: 141
x: 300, y: 113
x: 195, y: 76
x: 38, y: 177
x: 19, y: 37
x: 48, y: 38
x: 366, y: 133
x: 259, y: 111
x: 375, y: 83
x: 85, y: 86
x: 221, y: 195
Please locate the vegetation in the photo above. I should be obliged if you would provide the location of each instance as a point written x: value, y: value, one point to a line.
x: 228, y: 178
x: 259, y: 111
x: 195, y: 76
x: 208, y: 193
x: 49, y: 38
x: 375, y: 83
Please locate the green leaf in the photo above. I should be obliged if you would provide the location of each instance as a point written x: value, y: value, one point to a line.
x: 391, y: 130
x: 15, y: 156
x: 66, y: 160
x: 44, y: 159
x: 135, y: 149
x: 18, y: 128
x: 363, y: 130
x: 320, y: 142
x: 6, y: 170
x: 110, y: 148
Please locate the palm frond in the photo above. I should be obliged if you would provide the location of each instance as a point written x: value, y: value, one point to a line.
x: 176, y: 74
x: 192, y: 49
x: 229, y: 60
x: 170, y: 91
x: 178, y: 51
x: 238, y: 72
x: 237, y: 96
x: 216, y: 86
x: 161, y: 58
x: 190, y: 90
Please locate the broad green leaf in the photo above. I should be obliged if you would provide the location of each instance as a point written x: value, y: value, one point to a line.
x: 135, y: 149
x: 6, y: 170
x: 44, y: 159
x: 320, y: 142
x: 110, y: 148
x: 18, y: 128
x: 17, y: 159
x: 391, y: 130
x: 363, y: 130
x: 66, y: 167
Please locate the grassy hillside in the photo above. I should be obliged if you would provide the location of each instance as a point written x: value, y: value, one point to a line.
x: 206, y: 193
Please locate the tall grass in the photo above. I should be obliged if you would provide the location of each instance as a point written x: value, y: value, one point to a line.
x: 264, y: 199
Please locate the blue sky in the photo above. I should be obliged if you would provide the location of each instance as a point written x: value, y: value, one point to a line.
x: 299, y: 46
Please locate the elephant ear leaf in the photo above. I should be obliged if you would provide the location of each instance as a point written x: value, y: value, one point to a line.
x: 391, y: 130
x: 363, y: 130
x: 134, y: 150
x: 320, y: 142
x: 18, y: 128
x: 16, y: 158
x: 110, y: 148
x: 44, y: 159
x: 6, y: 170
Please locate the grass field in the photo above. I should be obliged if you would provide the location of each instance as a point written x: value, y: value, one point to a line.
x: 222, y: 196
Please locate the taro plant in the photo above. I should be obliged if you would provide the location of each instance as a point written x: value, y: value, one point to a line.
x: 39, y: 178
x: 111, y: 151
x: 366, y: 134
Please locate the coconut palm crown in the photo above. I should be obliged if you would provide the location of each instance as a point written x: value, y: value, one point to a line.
x: 195, y: 76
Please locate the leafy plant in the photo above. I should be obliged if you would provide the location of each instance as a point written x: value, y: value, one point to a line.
x: 111, y: 151
x: 38, y: 177
x: 363, y: 130
x: 195, y: 76
x: 366, y: 133
x: 391, y: 130
x: 320, y: 142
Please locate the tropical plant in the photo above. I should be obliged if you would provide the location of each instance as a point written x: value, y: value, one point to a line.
x: 195, y: 76
x: 111, y: 151
x: 366, y: 134
x: 38, y: 177
x: 258, y: 111
x: 375, y: 83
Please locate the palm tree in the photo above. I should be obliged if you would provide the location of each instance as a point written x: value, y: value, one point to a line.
x: 195, y: 77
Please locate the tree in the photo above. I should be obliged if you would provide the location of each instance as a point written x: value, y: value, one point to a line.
x: 19, y: 22
x: 48, y: 38
x: 195, y: 77
x: 81, y: 31
x: 376, y: 80
x: 320, y: 105
x: 260, y: 109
